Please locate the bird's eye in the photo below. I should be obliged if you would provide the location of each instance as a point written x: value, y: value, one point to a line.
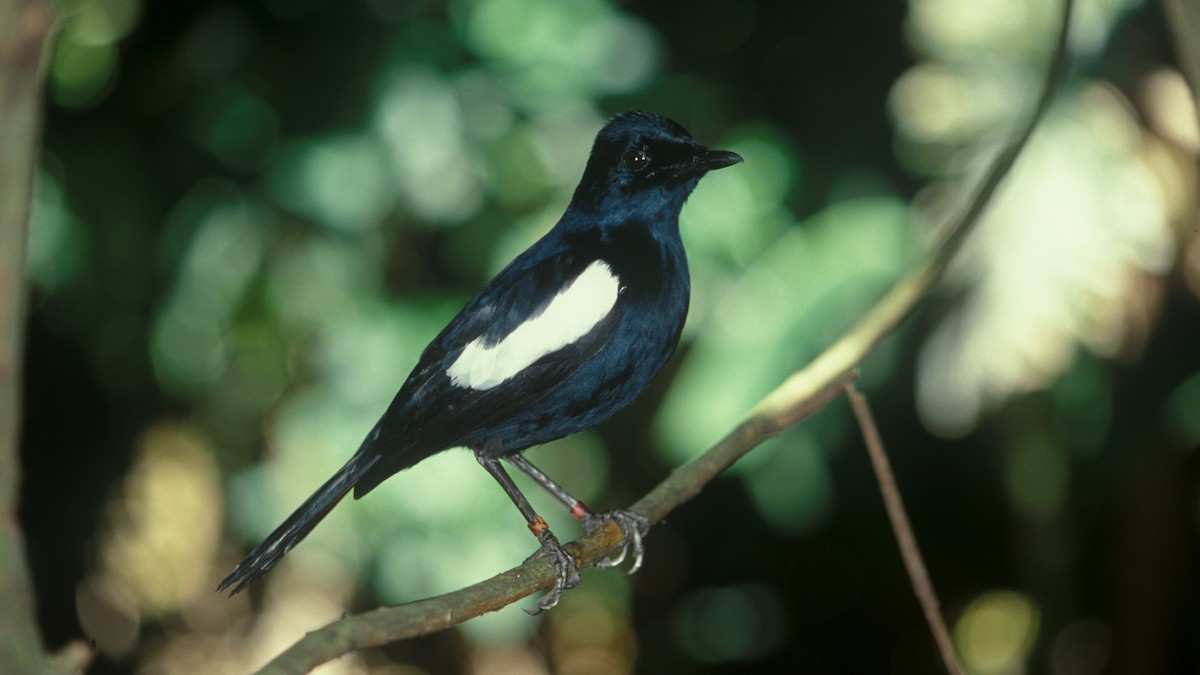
x: 636, y: 160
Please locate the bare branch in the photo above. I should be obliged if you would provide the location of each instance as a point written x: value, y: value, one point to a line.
x: 909, y: 551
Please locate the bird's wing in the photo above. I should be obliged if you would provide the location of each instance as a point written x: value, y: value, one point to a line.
x: 520, y: 337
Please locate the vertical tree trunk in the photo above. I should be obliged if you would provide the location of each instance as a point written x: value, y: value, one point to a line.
x: 24, y: 26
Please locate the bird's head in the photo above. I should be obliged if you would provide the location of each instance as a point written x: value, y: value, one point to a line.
x: 642, y: 162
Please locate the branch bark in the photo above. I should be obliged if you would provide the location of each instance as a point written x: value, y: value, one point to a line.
x: 24, y: 26
x: 801, y: 394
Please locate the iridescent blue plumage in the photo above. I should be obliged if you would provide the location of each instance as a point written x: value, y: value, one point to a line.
x: 617, y: 252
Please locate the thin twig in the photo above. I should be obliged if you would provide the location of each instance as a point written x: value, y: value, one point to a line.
x: 909, y: 551
x: 800, y: 394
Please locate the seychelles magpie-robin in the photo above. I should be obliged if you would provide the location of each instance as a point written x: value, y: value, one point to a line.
x: 564, y: 337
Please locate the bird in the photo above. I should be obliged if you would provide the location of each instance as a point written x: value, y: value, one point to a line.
x: 565, y: 336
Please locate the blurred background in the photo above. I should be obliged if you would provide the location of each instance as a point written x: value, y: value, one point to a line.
x: 251, y: 216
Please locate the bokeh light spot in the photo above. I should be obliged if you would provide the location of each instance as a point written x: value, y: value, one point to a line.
x: 189, y: 339
x: 1037, y: 475
x: 996, y: 632
x: 730, y: 623
x: 164, y: 528
x: 1053, y: 265
x: 420, y: 120
x: 237, y: 127
x: 341, y: 181
x: 58, y: 243
x: 1082, y: 648
x: 1183, y: 412
x: 792, y: 488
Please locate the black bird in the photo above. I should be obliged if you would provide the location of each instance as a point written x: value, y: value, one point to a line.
x: 564, y: 337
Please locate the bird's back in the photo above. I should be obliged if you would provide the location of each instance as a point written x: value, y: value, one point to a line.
x: 568, y: 390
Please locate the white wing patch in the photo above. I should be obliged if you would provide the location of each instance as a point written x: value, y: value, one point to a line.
x: 574, y: 311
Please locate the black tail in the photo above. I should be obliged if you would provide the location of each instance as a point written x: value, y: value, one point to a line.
x: 299, y: 524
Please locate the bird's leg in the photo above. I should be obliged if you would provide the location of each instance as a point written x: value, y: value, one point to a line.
x: 633, y: 526
x: 566, y: 570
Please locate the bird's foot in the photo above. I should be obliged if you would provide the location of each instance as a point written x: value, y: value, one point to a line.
x: 633, y: 528
x: 566, y: 571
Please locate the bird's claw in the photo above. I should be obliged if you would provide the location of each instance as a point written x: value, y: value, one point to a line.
x: 633, y: 528
x: 566, y: 571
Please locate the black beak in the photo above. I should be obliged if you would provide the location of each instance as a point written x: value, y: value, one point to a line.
x: 717, y: 159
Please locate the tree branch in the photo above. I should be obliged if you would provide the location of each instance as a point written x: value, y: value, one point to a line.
x: 800, y: 395
x: 914, y: 564
x: 390, y: 624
